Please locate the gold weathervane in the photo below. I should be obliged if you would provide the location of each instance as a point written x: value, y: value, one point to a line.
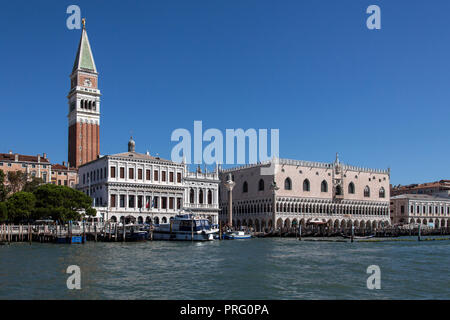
x: 83, y: 21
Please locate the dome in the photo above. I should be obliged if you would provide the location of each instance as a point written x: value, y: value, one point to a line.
x: 131, y: 145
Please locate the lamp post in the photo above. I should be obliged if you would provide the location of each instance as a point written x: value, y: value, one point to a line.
x: 274, y: 188
x: 229, y: 184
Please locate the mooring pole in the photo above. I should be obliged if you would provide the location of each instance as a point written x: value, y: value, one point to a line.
x: 353, y: 232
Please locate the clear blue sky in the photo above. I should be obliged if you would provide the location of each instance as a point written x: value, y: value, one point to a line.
x: 310, y: 68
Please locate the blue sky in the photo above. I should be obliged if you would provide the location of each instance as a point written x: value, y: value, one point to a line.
x: 309, y: 68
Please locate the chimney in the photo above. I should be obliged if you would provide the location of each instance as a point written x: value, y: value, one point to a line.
x: 68, y: 165
x: 16, y: 157
x: 10, y: 151
x: 39, y: 158
x: 44, y: 155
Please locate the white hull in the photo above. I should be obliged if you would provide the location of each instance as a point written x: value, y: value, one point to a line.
x: 182, y: 236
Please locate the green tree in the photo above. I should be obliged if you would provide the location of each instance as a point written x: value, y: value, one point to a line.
x: 17, y: 180
x: 3, y: 188
x: 33, y: 184
x: 61, y: 203
x: 20, y: 206
x: 3, y: 212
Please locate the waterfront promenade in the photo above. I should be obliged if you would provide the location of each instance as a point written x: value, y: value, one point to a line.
x: 112, y: 232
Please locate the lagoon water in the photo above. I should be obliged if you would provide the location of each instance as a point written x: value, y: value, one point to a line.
x: 270, y: 268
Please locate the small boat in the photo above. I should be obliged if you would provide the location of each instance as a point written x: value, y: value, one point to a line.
x: 357, y: 237
x: 236, y: 235
x: 135, y: 232
x: 185, y: 227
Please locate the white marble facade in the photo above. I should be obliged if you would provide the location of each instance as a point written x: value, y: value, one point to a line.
x: 306, y: 191
x: 147, y: 188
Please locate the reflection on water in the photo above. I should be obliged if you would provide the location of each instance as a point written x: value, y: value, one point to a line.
x: 249, y: 269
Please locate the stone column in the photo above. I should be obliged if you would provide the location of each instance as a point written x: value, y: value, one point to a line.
x: 230, y: 185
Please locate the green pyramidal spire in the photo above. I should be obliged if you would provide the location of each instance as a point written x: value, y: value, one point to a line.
x: 84, y: 59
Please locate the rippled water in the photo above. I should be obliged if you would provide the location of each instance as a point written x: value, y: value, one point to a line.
x: 249, y: 269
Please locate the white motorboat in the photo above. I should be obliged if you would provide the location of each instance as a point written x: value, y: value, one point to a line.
x: 185, y: 227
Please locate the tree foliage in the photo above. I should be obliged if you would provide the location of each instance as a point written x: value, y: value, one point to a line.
x: 3, y: 212
x: 33, y: 184
x: 61, y: 203
x: 44, y: 201
x: 3, y: 188
x: 17, y: 180
x: 20, y: 206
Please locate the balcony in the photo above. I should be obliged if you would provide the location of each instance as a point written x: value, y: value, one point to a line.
x: 201, y: 206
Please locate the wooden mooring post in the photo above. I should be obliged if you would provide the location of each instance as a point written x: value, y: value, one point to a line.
x: 84, y: 232
x: 30, y: 234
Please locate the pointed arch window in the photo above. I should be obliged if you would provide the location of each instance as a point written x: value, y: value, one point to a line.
x: 245, y: 187
x: 381, y: 192
x: 261, y: 185
x: 351, y: 188
x: 324, y: 186
x: 367, y: 192
x: 287, y: 184
x: 306, y: 185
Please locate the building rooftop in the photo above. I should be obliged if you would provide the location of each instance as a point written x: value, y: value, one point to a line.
x: 415, y: 196
x: 442, y: 184
x: 140, y: 156
x: 61, y: 167
x: 304, y: 163
x: 84, y: 59
x: 23, y: 158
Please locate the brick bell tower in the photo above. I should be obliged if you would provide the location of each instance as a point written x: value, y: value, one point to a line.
x: 84, y: 106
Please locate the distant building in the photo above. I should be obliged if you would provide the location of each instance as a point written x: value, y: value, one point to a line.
x: 420, y: 209
x: 64, y: 176
x: 147, y: 188
x: 438, y: 188
x: 35, y: 166
x: 40, y: 167
x: 335, y: 193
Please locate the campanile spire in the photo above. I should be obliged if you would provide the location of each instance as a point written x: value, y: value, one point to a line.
x: 84, y: 105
